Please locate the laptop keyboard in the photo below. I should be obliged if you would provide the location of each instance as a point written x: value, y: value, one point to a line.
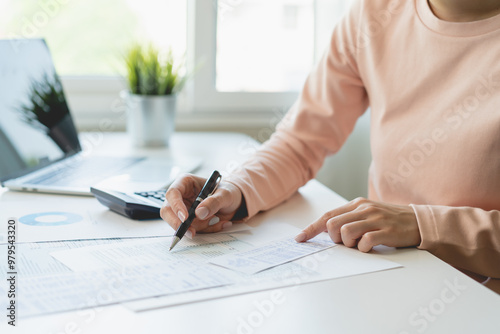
x: 157, y: 195
x: 84, y: 172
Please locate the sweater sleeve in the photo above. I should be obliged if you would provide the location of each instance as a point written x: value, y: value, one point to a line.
x: 465, y: 237
x: 318, y: 123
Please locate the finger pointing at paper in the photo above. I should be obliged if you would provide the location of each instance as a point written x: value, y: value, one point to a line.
x: 365, y: 224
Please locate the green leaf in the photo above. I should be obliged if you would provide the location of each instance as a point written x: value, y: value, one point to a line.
x: 151, y: 73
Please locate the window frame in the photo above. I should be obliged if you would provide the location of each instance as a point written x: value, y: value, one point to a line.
x: 96, y: 99
x: 203, y: 96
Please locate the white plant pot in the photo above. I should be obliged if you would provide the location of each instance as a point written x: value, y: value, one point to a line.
x: 150, y: 119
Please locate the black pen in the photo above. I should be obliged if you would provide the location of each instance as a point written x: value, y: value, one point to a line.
x: 207, y: 190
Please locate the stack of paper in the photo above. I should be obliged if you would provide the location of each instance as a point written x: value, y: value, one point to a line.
x: 111, y: 271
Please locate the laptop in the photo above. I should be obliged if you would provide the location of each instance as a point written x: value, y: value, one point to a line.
x: 39, y: 146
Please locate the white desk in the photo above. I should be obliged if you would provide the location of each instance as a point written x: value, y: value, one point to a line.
x: 405, y: 300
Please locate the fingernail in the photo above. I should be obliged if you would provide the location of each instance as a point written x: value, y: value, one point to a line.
x: 301, y: 237
x: 181, y: 216
x: 202, y: 213
x: 227, y: 225
x: 189, y: 234
x: 214, y: 221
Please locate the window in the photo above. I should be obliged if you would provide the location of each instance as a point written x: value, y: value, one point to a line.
x: 255, y: 53
x: 264, y: 46
x: 89, y: 38
x: 248, y: 55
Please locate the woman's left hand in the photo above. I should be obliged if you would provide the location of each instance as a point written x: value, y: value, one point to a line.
x: 367, y: 224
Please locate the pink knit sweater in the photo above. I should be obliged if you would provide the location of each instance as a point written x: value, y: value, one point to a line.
x: 434, y: 92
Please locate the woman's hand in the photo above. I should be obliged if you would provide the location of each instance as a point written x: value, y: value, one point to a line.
x: 212, y: 215
x: 367, y: 224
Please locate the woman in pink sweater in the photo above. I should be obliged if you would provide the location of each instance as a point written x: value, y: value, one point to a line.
x: 430, y: 72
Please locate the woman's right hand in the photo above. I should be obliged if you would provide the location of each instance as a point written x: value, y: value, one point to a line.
x: 212, y: 215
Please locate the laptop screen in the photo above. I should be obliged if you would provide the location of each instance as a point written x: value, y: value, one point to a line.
x: 36, y: 128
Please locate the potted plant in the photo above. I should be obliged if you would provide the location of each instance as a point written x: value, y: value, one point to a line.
x: 153, y: 82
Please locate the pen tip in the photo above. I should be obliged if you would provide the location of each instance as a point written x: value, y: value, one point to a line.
x: 174, y: 242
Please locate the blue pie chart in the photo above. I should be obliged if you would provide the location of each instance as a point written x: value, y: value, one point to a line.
x: 54, y: 218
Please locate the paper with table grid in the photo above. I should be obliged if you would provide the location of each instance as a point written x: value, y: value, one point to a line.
x: 129, y: 270
x: 271, y: 255
x: 134, y: 271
